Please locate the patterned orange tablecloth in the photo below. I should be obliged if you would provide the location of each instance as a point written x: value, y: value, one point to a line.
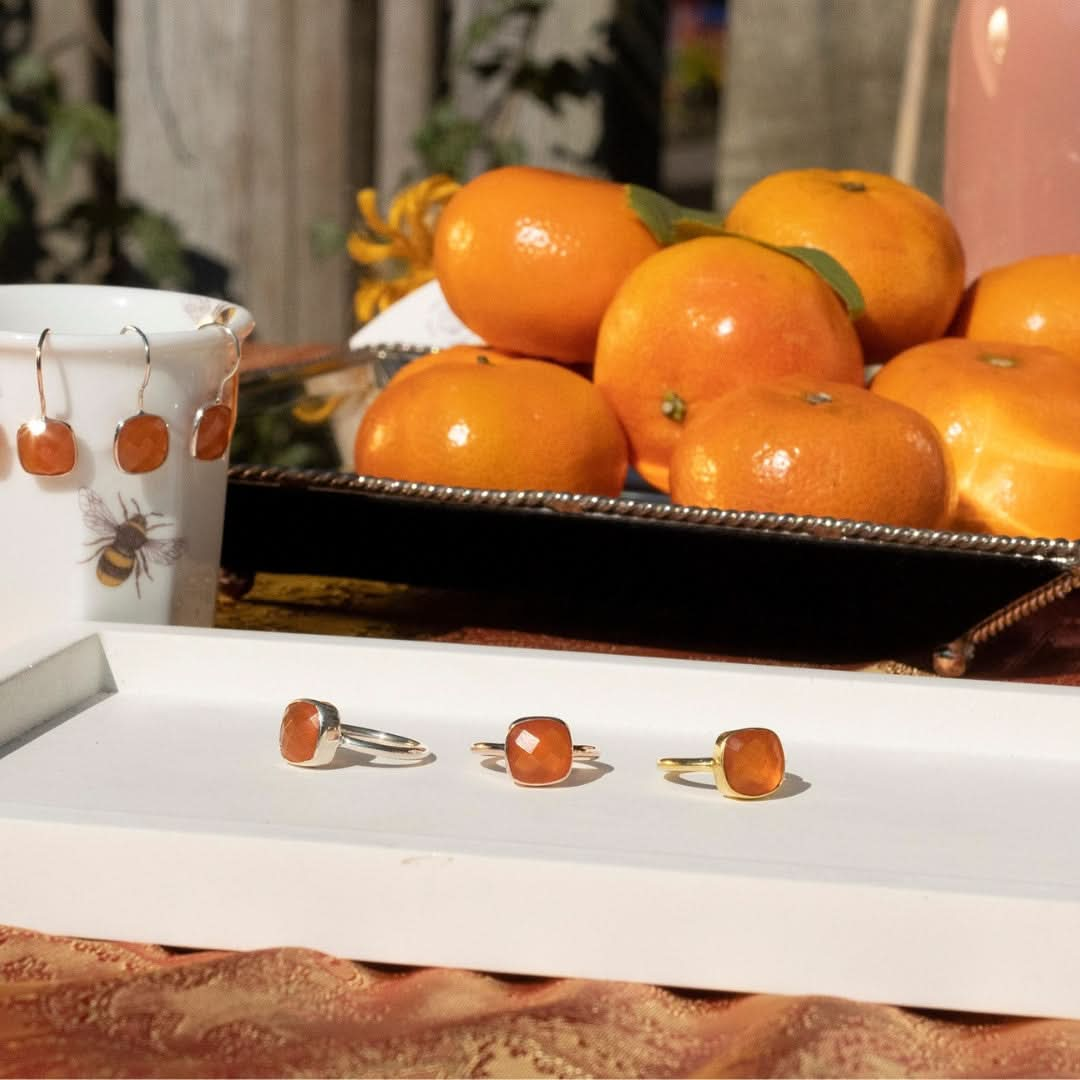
x: 71, y: 1007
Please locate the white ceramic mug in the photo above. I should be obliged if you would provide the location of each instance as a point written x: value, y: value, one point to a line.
x: 65, y: 553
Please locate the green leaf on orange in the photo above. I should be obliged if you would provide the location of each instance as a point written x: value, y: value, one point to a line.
x: 833, y: 273
x: 667, y: 220
x: 671, y: 223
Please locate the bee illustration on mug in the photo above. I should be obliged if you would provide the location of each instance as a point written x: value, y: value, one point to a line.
x: 123, y: 546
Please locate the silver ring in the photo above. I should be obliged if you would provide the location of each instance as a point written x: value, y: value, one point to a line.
x: 311, y: 734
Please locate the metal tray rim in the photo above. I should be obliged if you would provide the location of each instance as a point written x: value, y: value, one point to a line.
x: 1059, y: 550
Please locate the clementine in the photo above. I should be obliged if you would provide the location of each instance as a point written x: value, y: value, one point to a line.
x: 897, y: 243
x: 473, y: 417
x: 805, y: 445
x: 703, y: 317
x: 1010, y: 417
x: 529, y: 258
x: 1034, y: 301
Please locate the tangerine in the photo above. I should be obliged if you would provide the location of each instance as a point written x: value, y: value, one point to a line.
x: 529, y: 258
x: 1034, y: 301
x: 1010, y: 418
x: 896, y: 242
x: 474, y: 417
x: 698, y: 319
x: 804, y: 445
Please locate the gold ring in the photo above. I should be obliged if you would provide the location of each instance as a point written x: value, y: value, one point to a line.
x: 746, y: 763
x: 538, y: 751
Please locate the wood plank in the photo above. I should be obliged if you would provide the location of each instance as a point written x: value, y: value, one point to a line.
x: 406, y: 84
x: 62, y: 32
x: 320, y: 119
x: 235, y: 120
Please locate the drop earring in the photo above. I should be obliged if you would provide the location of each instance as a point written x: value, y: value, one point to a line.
x: 213, y: 421
x: 46, y: 447
x: 141, y: 443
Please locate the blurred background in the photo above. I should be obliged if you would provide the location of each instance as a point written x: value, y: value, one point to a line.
x: 219, y: 146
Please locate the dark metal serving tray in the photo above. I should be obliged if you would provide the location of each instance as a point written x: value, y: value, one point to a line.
x: 634, y: 570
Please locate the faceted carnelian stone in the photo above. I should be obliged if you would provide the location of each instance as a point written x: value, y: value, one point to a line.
x: 539, y: 750
x: 142, y: 443
x: 212, y: 432
x: 753, y: 761
x: 299, y: 737
x: 46, y: 447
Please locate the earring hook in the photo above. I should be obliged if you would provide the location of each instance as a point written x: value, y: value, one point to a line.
x: 236, y: 363
x: 146, y: 351
x: 236, y: 345
x: 40, y: 380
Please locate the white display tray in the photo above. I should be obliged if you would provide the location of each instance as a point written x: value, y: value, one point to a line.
x: 921, y: 851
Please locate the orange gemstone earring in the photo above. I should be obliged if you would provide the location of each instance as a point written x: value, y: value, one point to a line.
x: 213, y: 421
x: 747, y: 763
x: 538, y: 751
x: 46, y: 447
x: 141, y: 443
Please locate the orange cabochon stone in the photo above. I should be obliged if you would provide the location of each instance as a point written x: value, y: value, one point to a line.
x: 299, y: 735
x: 539, y: 750
x: 142, y: 443
x: 46, y: 447
x: 212, y: 432
x: 753, y: 761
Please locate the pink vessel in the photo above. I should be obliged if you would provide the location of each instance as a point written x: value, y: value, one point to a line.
x: 1012, y: 149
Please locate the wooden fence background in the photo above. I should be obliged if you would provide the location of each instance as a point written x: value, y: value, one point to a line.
x: 248, y: 121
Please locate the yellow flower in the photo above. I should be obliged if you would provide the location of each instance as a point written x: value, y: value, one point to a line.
x: 398, y: 249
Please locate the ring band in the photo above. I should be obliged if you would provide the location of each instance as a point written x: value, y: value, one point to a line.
x: 746, y: 763
x: 311, y: 733
x: 363, y: 738
x: 538, y: 750
x: 578, y: 751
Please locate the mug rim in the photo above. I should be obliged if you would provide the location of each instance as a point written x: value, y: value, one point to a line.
x: 240, y: 320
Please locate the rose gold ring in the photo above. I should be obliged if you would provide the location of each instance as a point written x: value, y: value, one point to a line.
x: 538, y: 751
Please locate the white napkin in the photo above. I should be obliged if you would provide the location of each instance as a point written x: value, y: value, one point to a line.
x: 421, y: 318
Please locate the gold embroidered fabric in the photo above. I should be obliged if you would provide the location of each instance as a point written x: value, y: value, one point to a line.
x: 80, y: 1008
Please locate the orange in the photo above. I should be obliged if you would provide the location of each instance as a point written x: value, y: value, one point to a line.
x: 1034, y: 301
x: 1010, y: 416
x: 529, y: 258
x: 472, y: 417
x: 897, y: 243
x: 804, y: 445
x: 703, y: 317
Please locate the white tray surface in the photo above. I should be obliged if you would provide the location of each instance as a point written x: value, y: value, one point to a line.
x: 921, y: 850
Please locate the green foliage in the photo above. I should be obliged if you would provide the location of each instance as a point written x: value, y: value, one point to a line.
x: 155, y: 243
x: 268, y: 433
x: 74, y: 132
x: 487, y: 23
x: 448, y: 141
x: 327, y: 238
x: 49, y: 148
x: 495, y: 48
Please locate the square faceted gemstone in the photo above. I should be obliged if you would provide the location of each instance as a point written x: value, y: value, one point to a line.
x: 212, y: 432
x: 753, y: 761
x: 299, y: 736
x: 142, y: 443
x: 46, y: 447
x: 539, y: 750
